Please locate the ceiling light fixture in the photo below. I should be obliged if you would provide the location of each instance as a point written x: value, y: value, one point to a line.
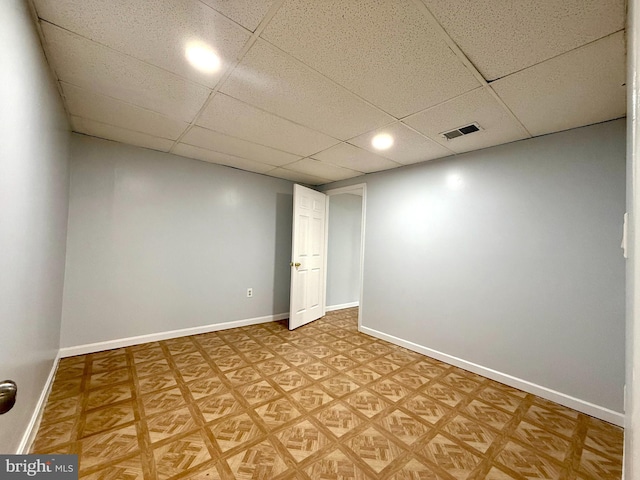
x: 382, y: 141
x: 202, y: 57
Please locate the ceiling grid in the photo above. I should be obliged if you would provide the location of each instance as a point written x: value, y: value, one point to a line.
x: 304, y: 87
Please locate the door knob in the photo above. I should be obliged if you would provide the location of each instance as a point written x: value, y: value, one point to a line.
x: 297, y: 264
x: 8, y: 391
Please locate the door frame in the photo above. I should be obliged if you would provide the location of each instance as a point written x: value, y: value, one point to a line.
x: 359, y: 189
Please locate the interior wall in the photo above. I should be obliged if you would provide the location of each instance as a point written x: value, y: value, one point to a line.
x: 509, y: 258
x: 343, y: 260
x: 33, y: 217
x: 159, y: 242
x: 632, y: 403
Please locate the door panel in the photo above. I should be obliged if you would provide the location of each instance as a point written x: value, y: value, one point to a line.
x: 307, y: 256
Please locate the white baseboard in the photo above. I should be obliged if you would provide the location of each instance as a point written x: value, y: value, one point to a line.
x: 331, y: 308
x: 154, y: 337
x: 32, y: 428
x: 544, y: 392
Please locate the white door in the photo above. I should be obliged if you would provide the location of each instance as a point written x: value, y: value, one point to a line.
x: 307, y: 256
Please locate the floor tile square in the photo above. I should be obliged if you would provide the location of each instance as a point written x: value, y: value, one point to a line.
x: 302, y: 439
x: 383, y: 366
x: 450, y: 456
x: 255, y: 356
x: 375, y: 449
x: 367, y: 403
x: 487, y: 414
x: 499, y: 398
x: 390, y: 390
x: 550, y: 420
x: 340, y: 385
x: 235, y: 431
x: 336, y: 465
x: 218, y: 406
x: 339, y: 362
x: 443, y: 393
x: 290, y: 380
x: 528, y: 462
x: 416, y: 470
x: 598, y: 466
x: 162, y: 401
x: 258, y: 392
x: 363, y: 375
x: 110, y: 377
x: 317, y: 370
x: 148, y: 354
x: 338, y: 418
x: 109, y: 363
x: 57, y: 410
x: 259, y: 462
x: 108, y: 446
x: 427, y: 369
x: 310, y: 398
x: 541, y: 440
x: 127, y: 469
x: 206, y: 386
x: 404, y: 427
x: 107, y: 417
x: 243, y: 375
x: 471, y: 433
x: 271, y: 366
x: 229, y: 362
x: 277, y: 412
x: 154, y: 367
x: 196, y: 372
x: 53, y: 434
x: 426, y: 408
x: 181, y: 454
x: 155, y: 383
x: 459, y: 382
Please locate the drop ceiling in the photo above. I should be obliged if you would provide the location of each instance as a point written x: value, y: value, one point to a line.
x: 304, y: 85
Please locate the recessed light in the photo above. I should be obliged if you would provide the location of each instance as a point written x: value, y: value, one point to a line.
x: 202, y: 57
x: 382, y: 141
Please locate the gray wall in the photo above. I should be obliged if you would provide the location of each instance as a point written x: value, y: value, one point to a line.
x: 343, y: 260
x: 509, y: 258
x: 33, y: 216
x: 159, y: 242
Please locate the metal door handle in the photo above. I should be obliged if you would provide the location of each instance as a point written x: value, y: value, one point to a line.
x: 8, y: 392
x: 297, y: 264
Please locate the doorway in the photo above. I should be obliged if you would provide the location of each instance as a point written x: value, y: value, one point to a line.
x: 345, y: 248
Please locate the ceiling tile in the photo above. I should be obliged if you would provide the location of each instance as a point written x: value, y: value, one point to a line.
x: 109, y: 132
x: 408, y: 146
x: 386, y: 52
x: 156, y: 32
x: 321, y: 169
x: 219, y: 142
x: 354, y: 158
x: 298, y: 177
x: 227, y: 115
x: 276, y: 82
x: 88, y: 104
x: 86, y: 64
x: 220, y: 158
x: 578, y: 88
x: 503, y: 37
x: 476, y: 106
x: 248, y: 13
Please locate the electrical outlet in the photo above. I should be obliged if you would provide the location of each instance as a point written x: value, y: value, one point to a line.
x: 249, y: 292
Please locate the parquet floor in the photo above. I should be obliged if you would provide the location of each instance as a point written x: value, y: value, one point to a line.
x: 322, y: 402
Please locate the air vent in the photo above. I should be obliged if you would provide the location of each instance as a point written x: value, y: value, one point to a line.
x: 460, y: 131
